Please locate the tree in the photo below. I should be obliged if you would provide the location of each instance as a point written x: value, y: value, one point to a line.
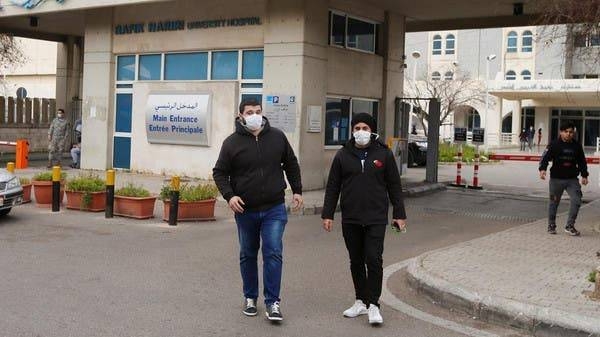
x: 574, y: 22
x: 453, y: 94
x: 10, y: 54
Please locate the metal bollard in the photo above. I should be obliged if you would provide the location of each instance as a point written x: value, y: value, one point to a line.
x: 56, y: 189
x: 10, y: 167
x: 174, y: 207
x: 110, y: 194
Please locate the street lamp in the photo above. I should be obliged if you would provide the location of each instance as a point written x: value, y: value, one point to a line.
x: 415, y: 54
x: 489, y: 58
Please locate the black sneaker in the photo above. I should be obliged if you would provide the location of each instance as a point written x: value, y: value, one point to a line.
x: 274, y: 312
x: 572, y: 231
x: 551, y: 229
x: 250, y: 307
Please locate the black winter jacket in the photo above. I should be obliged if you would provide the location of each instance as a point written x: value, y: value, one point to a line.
x: 568, y: 160
x: 252, y: 167
x: 366, y: 186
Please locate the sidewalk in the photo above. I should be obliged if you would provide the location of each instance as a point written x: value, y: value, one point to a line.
x: 412, y: 185
x: 522, y: 277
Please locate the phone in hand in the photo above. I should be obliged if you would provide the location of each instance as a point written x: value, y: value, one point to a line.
x: 397, y: 228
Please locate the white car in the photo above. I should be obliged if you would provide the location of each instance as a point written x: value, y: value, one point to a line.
x: 11, y: 192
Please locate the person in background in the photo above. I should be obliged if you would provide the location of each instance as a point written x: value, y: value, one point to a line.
x: 530, y: 137
x: 364, y: 172
x: 76, y: 149
x: 57, y: 134
x: 249, y: 174
x: 539, y: 136
x: 568, y: 161
x: 523, y: 139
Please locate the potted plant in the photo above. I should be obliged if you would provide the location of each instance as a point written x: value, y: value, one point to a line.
x: 134, y: 202
x: 42, y: 188
x: 86, y: 193
x: 26, y: 184
x: 196, y: 202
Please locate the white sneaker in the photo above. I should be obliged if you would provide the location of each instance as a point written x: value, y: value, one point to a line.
x: 357, y: 309
x: 374, y: 315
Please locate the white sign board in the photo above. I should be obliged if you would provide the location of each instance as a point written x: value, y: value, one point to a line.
x: 314, y: 118
x: 176, y: 118
x: 281, y: 112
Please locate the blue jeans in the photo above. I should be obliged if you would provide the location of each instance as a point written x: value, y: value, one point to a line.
x: 267, y: 225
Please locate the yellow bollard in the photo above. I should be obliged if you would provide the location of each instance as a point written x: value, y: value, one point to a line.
x: 56, y: 189
x: 175, y: 182
x: 174, y: 204
x: 10, y: 167
x: 110, y: 193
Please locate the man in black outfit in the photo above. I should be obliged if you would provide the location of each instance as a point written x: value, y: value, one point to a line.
x: 249, y: 174
x: 365, y: 173
x: 568, y: 161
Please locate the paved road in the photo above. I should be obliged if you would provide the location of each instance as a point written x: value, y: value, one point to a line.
x: 77, y: 274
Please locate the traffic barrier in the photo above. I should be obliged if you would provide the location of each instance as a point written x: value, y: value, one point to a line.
x: 56, y: 189
x: 110, y: 194
x: 174, y: 208
x: 21, y: 152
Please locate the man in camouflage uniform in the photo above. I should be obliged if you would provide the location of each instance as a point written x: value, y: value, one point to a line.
x: 57, y: 135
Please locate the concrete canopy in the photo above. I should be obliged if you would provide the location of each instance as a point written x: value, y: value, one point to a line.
x: 57, y: 20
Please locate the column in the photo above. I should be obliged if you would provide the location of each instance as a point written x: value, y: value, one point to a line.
x: 68, y: 77
x: 98, y: 75
x: 393, y: 71
x: 516, y: 121
x: 296, y: 64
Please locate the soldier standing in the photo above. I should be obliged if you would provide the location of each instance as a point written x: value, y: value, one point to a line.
x: 56, y: 138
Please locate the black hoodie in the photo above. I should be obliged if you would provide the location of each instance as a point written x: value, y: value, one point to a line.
x: 568, y: 160
x: 252, y: 167
x: 366, y: 185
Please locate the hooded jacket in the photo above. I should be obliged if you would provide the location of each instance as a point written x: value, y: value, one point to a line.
x: 366, y: 185
x: 252, y: 167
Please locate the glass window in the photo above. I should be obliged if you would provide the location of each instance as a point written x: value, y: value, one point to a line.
x: 361, y: 35
x: 448, y: 76
x: 123, y: 115
x: 474, y: 120
x: 437, y: 45
x: 510, y: 75
x: 527, y: 41
x: 571, y: 113
x: 338, y: 30
x: 512, y: 42
x: 554, y: 112
x: 436, y: 76
x: 580, y: 40
x: 224, y: 65
x: 257, y: 97
x: 337, y: 121
x: 149, y: 68
x: 126, y: 68
x: 450, y: 44
x: 526, y: 74
x: 186, y: 66
x: 595, y: 40
x: 592, y: 113
x: 592, y: 130
x: 122, y: 152
x: 252, y: 64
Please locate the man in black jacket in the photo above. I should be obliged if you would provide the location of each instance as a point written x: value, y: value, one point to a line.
x: 365, y: 173
x: 249, y: 174
x: 568, y: 161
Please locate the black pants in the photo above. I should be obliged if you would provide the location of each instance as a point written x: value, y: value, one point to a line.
x: 365, y: 247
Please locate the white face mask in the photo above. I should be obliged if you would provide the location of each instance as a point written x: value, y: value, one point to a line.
x: 362, y: 137
x: 253, y: 122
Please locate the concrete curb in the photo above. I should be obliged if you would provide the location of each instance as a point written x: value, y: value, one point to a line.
x: 410, y: 192
x: 535, y: 319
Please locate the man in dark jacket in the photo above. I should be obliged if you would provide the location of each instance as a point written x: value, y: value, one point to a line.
x: 249, y: 174
x: 365, y: 173
x: 568, y: 161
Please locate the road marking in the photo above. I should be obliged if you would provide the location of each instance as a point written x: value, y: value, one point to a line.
x: 388, y: 298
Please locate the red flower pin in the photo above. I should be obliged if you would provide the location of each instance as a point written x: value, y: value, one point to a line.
x: 377, y: 163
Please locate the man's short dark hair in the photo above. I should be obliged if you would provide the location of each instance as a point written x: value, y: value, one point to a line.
x: 249, y: 102
x: 567, y: 125
x: 60, y: 110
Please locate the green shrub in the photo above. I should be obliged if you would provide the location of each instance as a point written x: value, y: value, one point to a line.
x: 47, y: 176
x: 24, y: 181
x: 131, y: 190
x: 592, y: 276
x: 86, y: 183
x: 191, y: 192
x: 447, y: 153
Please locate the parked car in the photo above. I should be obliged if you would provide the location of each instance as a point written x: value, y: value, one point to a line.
x: 11, y: 192
x: 417, y: 151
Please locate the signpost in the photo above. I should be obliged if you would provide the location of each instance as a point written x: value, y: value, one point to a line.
x: 478, y: 139
x: 460, y: 138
